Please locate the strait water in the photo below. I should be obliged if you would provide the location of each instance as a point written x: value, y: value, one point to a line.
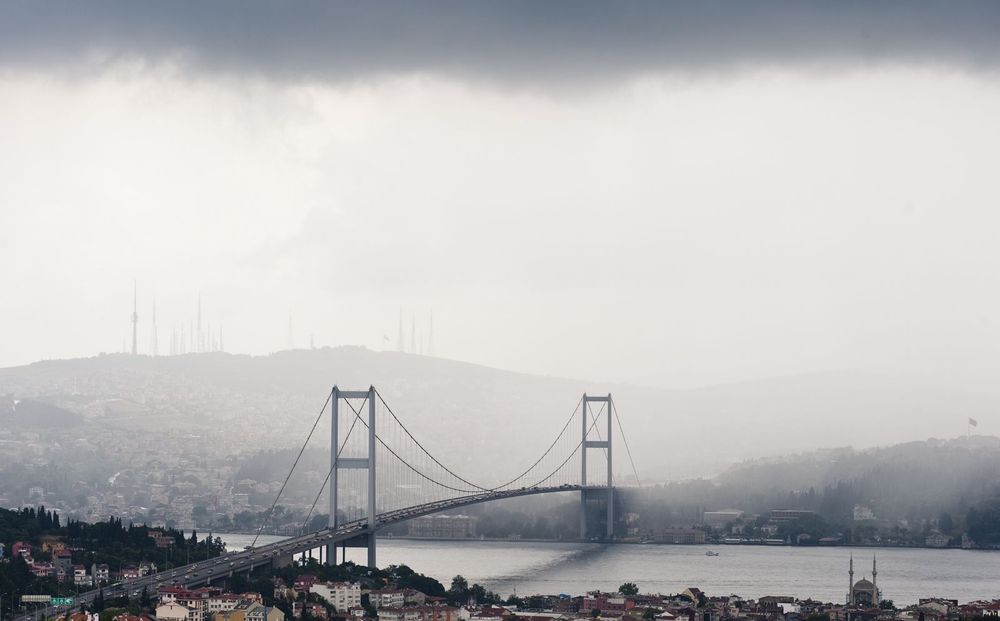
x: 904, y: 574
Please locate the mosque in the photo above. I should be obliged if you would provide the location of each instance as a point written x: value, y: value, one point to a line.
x: 863, y: 592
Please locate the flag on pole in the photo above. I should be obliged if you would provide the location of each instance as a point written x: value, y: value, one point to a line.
x: 973, y: 422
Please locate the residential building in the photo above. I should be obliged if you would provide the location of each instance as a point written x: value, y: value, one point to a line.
x: 419, y: 613
x: 63, y: 559
x: 863, y: 513
x: 101, y: 573
x: 788, y: 515
x: 606, y: 603
x: 81, y: 577
x: 304, y: 583
x: 20, y: 548
x: 413, y: 597
x: 341, y: 595
x: 386, y: 598
x: 220, y: 603
x: 173, y: 611
x: 719, y: 519
x: 130, y: 573
x: 250, y: 611
x: 314, y: 610
x: 444, y: 526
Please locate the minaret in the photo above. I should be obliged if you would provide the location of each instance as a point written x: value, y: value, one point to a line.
x: 430, y: 336
x: 135, y: 317
x: 413, y: 333
x: 399, y: 340
x: 875, y: 582
x: 154, y: 347
x: 222, y: 345
x: 199, y: 344
x: 850, y: 582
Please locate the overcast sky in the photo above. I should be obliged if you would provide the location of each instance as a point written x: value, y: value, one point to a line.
x: 675, y: 194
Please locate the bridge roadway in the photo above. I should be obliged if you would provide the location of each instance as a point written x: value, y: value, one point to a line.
x: 204, y: 572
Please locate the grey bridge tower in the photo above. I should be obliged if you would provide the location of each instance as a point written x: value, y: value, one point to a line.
x: 596, y: 492
x: 337, y: 463
x: 589, y: 494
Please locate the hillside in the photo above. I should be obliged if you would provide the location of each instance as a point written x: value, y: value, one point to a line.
x: 480, y: 419
x: 913, y: 481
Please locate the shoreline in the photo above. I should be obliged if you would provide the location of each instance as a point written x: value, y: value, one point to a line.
x: 719, y: 545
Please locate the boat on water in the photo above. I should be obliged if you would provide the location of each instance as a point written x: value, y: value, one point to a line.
x: 710, y: 553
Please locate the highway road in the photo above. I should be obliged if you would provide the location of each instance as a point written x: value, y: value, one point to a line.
x: 214, y: 569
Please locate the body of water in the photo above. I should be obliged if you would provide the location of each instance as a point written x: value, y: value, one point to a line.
x: 904, y: 574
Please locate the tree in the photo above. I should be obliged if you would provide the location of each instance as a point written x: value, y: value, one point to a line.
x: 366, y: 603
x: 649, y: 614
x: 628, y: 589
x: 145, y: 601
x: 458, y: 593
x: 887, y: 604
x: 99, y: 601
x: 594, y: 613
x: 199, y: 514
x: 946, y: 523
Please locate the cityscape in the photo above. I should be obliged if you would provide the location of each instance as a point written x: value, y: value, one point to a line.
x: 502, y: 310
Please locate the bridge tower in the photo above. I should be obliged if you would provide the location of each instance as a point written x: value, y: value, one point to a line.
x: 337, y: 463
x: 596, y: 492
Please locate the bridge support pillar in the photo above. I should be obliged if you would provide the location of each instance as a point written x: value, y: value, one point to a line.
x: 338, y: 462
x: 589, y: 424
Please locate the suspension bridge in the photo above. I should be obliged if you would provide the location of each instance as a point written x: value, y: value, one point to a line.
x: 380, y: 474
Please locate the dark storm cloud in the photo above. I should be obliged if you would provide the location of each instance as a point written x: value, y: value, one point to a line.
x: 505, y: 40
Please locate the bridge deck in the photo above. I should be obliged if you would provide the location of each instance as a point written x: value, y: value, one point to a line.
x: 203, y: 572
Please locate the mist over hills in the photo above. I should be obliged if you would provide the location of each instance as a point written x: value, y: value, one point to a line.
x: 483, y: 419
x: 899, y: 482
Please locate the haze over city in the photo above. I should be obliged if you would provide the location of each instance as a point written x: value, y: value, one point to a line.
x: 499, y: 311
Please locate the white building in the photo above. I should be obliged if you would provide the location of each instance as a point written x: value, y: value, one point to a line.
x: 222, y: 603
x: 387, y: 598
x: 341, y: 595
x: 719, y: 519
x: 101, y: 573
x: 81, y: 577
x: 172, y: 611
x: 863, y: 513
x: 398, y: 614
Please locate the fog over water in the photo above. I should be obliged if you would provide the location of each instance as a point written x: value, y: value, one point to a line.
x: 905, y: 575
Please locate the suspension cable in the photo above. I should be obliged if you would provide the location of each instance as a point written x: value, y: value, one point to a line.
x: 295, y: 463
x: 329, y: 473
x: 628, y: 451
x: 565, y: 461
x: 426, y: 452
x: 548, y: 450
x: 405, y: 463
